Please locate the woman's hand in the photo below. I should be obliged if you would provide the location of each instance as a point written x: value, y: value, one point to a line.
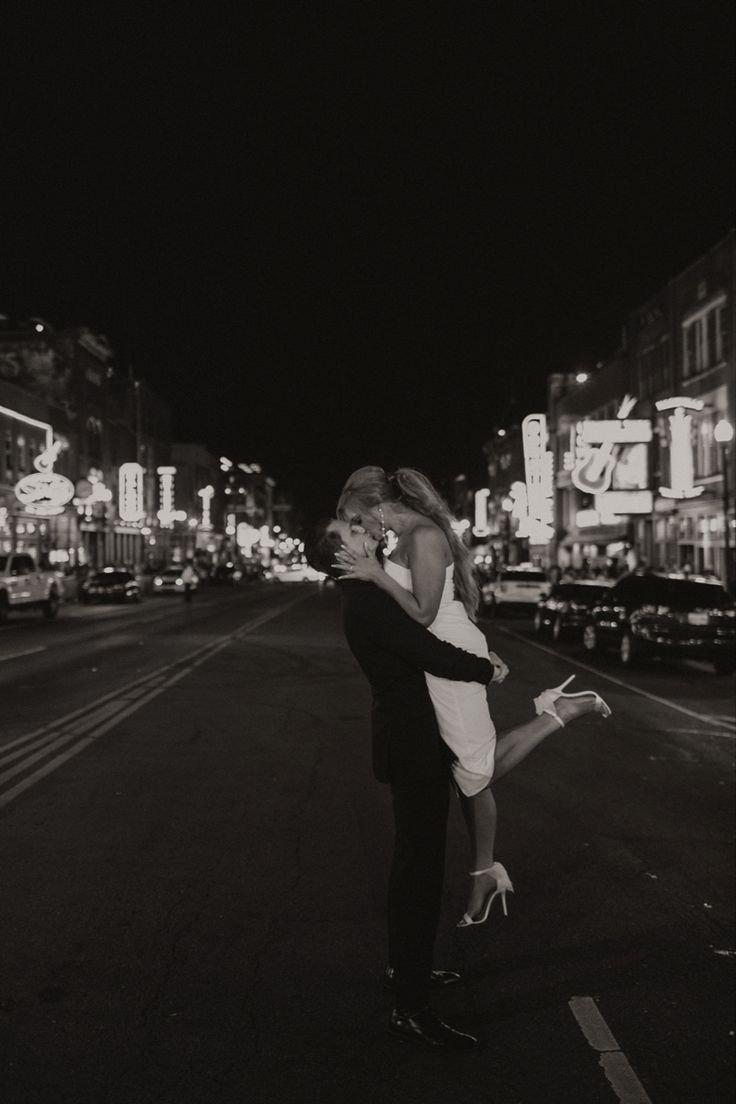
x: 500, y: 670
x: 353, y: 566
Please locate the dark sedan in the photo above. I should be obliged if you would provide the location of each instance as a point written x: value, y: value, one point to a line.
x: 567, y: 609
x: 110, y: 585
x: 650, y: 614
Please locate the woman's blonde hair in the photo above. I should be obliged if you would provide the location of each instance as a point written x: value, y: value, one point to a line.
x: 368, y: 487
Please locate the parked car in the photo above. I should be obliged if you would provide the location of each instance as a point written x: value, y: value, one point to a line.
x: 227, y: 574
x: 566, y: 609
x: 23, y: 585
x: 112, y: 584
x: 169, y: 581
x: 652, y: 614
x: 517, y: 588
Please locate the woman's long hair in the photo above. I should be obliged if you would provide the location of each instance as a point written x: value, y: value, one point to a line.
x: 368, y: 487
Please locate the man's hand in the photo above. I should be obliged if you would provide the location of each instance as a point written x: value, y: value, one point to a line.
x: 500, y: 670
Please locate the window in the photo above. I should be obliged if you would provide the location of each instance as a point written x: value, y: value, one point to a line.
x: 706, y: 456
x: 704, y: 339
x: 21, y: 453
x: 9, y: 465
x: 654, y: 368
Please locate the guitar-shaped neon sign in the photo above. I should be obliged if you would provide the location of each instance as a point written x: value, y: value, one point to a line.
x: 592, y: 474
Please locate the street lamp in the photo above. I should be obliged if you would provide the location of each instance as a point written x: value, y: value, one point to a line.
x: 723, y: 433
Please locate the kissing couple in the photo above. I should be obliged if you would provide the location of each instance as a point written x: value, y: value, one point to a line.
x: 409, y: 620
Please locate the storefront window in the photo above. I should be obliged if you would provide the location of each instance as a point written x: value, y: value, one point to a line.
x: 9, y: 467
x: 705, y: 339
x: 705, y: 447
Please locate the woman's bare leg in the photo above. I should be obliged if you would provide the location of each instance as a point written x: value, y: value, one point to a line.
x: 479, y: 811
x: 514, y: 746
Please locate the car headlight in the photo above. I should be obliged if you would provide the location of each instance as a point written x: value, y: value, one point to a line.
x: 179, y: 582
x: 158, y: 581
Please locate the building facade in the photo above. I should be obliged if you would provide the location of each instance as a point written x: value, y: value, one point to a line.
x: 642, y: 470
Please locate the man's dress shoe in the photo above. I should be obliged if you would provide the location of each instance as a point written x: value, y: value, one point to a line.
x: 438, y: 979
x: 426, y: 1027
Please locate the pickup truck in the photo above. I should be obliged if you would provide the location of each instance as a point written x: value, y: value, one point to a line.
x: 25, y: 586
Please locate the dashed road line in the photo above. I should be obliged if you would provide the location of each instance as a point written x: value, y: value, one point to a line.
x: 93, y: 721
x: 614, y: 1063
x: 17, y: 655
x: 713, y: 721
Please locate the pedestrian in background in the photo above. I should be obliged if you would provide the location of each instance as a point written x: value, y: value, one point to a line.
x: 189, y: 579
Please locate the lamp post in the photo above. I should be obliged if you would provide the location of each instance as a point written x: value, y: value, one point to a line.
x: 723, y: 433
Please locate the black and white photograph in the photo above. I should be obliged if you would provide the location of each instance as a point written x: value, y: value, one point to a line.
x: 367, y: 553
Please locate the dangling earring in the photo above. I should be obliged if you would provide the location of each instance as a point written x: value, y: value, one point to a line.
x: 382, y: 520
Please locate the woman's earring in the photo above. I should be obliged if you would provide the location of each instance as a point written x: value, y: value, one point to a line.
x: 382, y: 520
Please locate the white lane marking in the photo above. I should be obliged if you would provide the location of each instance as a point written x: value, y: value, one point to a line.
x: 619, y: 682
x: 614, y: 1063
x: 102, y: 709
x: 17, y: 655
x: 142, y: 683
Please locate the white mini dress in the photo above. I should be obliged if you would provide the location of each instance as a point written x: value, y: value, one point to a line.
x: 461, y: 707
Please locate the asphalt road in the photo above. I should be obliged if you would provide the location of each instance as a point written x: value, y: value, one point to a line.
x: 193, y: 856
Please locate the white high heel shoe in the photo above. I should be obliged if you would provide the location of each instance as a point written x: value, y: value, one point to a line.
x: 545, y: 702
x: 503, y: 886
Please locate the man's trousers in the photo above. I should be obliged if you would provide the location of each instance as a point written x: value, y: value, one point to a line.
x: 415, y: 883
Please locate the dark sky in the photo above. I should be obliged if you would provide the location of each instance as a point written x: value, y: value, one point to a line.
x: 335, y: 236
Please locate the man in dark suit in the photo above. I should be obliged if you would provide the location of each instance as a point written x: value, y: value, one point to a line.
x: 394, y: 652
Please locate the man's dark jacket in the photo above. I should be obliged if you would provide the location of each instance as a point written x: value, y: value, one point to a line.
x: 394, y: 652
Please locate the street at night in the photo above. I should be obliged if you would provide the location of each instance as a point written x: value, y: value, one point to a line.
x: 195, y: 853
x: 367, y: 553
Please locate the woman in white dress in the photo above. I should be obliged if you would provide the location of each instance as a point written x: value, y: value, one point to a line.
x: 430, y: 575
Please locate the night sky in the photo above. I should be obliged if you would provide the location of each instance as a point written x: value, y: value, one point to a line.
x: 334, y: 236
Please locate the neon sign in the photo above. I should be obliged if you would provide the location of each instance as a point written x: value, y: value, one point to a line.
x: 535, y: 507
x: 206, y: 494
x: 480, y: 529
x: 130, y: 492
x: 682, y: 469
x: 44, y: 492
x: 598, y: 444
x: 167, y: 515
x: 96, y: 491
x: 246, y: 537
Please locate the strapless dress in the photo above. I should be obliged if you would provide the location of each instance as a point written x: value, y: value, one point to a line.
x: 461, y: 708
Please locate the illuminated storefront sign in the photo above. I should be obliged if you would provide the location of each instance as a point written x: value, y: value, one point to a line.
x: 90, y: 492
x: 682, y: 468
x: 206, y: 494
x: 598, y: 447
x: 480, y: 529
x: 613, y: 503
x: 246, y: 536
x: 131, y: 506
x: 535, y: 506
x: 167, y: 515
x: 45, y: 492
